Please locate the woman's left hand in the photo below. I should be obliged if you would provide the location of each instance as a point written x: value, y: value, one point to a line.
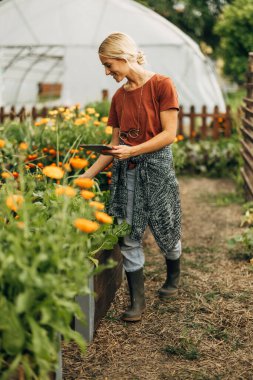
x: 122, y: 152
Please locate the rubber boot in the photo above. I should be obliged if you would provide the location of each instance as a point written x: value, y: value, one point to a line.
x: 170, y: 287
x: 136, y: 289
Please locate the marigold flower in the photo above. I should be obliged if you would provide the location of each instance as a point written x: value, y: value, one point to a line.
x: 15, y: 174
x: 40, y: 165
x: 23, y: 146
x: 103, y: 217
x: 84, y: 183
x: 14, y: 202
x: 104, y: 119
x: 108, y: 130
x: 53, y: 172
x: 6, y: 175
x: 86, y: 225
x: 78, y: 163
x: 86, y: 194
x: 96, y: 123
x: 67, y: 167
x: 65, y: 190
x: 97, y: 205
x: 90, y: 110
x: 180, y: 137
x: 2, y: 143
x: 52, y: 152
x: 109, y: 174
x: 93, y: 156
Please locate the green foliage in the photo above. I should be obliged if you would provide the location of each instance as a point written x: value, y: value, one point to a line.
x: 197, y: 18
x: 235, y: 27
x: 219, y: 158
x: 102, y: 107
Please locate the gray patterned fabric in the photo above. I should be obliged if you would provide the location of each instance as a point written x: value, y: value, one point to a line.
x: 156, y: 197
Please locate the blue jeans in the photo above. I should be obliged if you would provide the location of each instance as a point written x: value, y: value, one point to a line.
x: 132, y: 250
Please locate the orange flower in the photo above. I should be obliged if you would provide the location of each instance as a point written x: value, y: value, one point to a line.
x: 78, y: 163
x: 45, y: 150
x: 53, y: 172
x: 104, y: 119
x: 65, y: 190
x: 40, y: 165
x: 86, y: 225
x: 97, y: 205
x: 109, y: 175
x: 6, y: 175
x: 93, y: 156
x: 96, y: 123
x: 84, y: 183
x: 108, y: 130
x: 180, y: 137
x: 2, y: 143
x: 103, y: 217
x: 86, y: 194
x: 23, y: 146
x: 14, y: 201
x: 52, y: 152
x: 72, y: 151
x: 67, y: 167
x: 15, y: 174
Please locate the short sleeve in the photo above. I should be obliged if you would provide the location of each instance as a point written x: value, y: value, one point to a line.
x: 167, y: 95
x: 113, y: 117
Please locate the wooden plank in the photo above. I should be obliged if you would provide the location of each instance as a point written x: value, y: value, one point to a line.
x: 247, y: 182
x: 247, y: 160
x: 247, y: 133
x: 247, y: 110
x: 216, y: 123
x: 107, y: 283
x: 247, y: 149
x: 247, y: 123
x: 248, y: 101
x: 204, y: 123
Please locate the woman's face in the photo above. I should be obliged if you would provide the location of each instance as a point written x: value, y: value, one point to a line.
x: 116, y: 67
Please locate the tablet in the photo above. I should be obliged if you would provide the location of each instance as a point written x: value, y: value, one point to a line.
x: 97, y: 147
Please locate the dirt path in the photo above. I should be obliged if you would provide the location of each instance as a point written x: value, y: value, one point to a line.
x: 206, y: 333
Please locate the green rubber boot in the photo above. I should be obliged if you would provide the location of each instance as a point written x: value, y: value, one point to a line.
x: 170, y: 287
x: 136, y: 289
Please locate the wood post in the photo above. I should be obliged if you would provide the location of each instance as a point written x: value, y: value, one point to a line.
x: 247, y: 133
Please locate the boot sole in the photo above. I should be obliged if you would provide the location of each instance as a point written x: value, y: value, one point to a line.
x: 167, y: 296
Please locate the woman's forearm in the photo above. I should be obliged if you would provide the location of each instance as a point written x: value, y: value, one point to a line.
x: 101, y: 163
x: 157, y: 142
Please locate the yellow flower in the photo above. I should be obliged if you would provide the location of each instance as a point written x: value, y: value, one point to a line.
x: 90, y: 110
x: 2, y: 143
x: 14, y: 201
x: 108, y: 130
x: 23, y: 146
x: 86, y: 194
x: 84, y: 183
x: 103, y: 217
x: 97, y: 114
x: 78, y: 163
x: 53, y: 172
x: 104, y: 119
x: 86, y: 225
x: 97, y: 205
x: 65, y: 190
x: 6, y: 175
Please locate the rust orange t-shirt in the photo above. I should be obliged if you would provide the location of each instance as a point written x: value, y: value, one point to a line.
x: 140, y: 108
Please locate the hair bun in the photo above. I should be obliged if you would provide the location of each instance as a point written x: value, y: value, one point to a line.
x: 140, y: 57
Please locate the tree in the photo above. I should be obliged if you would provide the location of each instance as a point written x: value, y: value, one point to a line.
x: 235, y: 27
x: 195, y: 17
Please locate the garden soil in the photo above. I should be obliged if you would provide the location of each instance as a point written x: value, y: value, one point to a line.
x: 206, y: 332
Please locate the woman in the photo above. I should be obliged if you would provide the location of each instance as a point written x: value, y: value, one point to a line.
x: 144, y: 190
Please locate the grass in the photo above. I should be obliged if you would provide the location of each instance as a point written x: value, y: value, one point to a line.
x: 184, y: 349
x: 223, y: 199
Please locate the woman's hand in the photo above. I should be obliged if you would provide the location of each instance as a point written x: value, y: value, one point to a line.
x: 122, y: 152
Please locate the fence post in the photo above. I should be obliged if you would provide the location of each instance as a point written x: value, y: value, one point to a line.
x: 216, y: 131
x: 247, y: 133
x: 2, y: 115
x: 192, y: 123
x: 227, y: 122
x: 204, y: 125
x: 12, y: 113
x: 180, y: 121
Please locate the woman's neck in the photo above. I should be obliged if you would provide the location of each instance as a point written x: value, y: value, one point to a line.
x: 137, y: 79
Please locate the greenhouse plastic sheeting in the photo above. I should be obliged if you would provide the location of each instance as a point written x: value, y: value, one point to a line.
x: 57, y: 41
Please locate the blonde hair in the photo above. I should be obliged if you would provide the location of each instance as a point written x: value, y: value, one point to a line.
x: 120, y: 45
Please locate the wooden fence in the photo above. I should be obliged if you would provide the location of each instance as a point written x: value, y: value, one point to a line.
x: 193, y: 125
x: 247, y: 132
